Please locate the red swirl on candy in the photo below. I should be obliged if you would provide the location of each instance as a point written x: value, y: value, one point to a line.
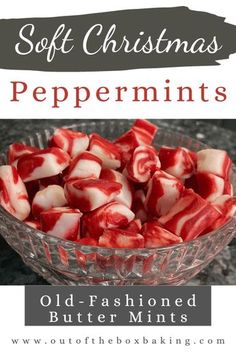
x: 106, y: 151
x: 72, y: 142
x: 84, y: 165
x: 125, y: 195
x: 89, y: 194
x: 17, y: 150
x: 13, y: 194
x: 117, y: 194
x: 156, y: 236
x: 143, y: 163
x: 51, y: 196
x: 179, y: 162
x: 189, y: 216
x: 62, y: 222
x: 42, y: 164
x: 141, y: 133
x: 111, y: 215
x: 163, y: 192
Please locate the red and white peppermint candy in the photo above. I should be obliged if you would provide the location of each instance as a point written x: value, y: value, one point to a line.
x: 125, y: 194
x: 226, y: 206
x: 120, y: 238
x: 50, y: 197
x: 89, y: 194
x: 17, y: 150
x: 13, y: 194
x: 138, y: 206
x: 62, y: 222
x: 141, y: 133
x: 127, y: 142
x: 84, y: 165
x: 145, y: 131
x: 156, y: 236
x: 109, y: 216
x: 179, y: 162
x: 33, y: 224
x: 163, y: 192
x: 72, y: 142
x: 143, y: 163
x: 209, y: 186
x: 43, y: 164
x: 215, y: 162
x: 126, y: 145
x: 190, y: 216
x: 107, y: 151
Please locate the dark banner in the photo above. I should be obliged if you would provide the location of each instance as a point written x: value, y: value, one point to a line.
x: 117, y: 306
x: 119, y: 40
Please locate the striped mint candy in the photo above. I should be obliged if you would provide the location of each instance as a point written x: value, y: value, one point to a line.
x: 89, y: 194
x: 109, y: 216
x: 226, y: 206
x: 51, y: 196
x: 179, y: 162
x: 84, y: 165
x: 141, y: 133
x: 13, y: 194
x: 70, y: 141
x: 143, y: 163
x: 43, y: 164
x: 145, y: 131
x: 210, y: 186
x: 164, y: 190
x: 17, y: 150
x: 190, y: 216
x: 61, y: 222
x: 156, y: 236
x: 214, y: 161
x: 107, y: 151
x: 125, y: 194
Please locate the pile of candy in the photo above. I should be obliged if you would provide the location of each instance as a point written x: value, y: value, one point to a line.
x: 120, y: 194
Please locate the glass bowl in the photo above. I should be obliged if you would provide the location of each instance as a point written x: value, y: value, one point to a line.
x: 63, y: 262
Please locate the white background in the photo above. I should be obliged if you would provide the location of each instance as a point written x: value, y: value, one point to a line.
x: 224, y: 75
x: 223, y: 326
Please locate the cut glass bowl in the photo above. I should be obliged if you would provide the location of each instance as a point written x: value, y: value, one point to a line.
x: 63, y: 262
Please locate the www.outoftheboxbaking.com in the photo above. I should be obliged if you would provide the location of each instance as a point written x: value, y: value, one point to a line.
x: 118, y: 340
